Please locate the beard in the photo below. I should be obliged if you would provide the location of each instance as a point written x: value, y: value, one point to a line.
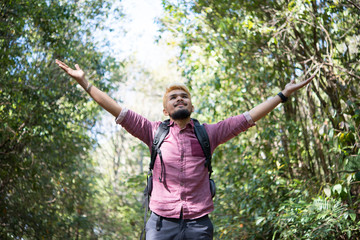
x: 180, y: 114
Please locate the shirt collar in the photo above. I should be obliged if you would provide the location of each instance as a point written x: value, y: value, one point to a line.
x: 191, y: 123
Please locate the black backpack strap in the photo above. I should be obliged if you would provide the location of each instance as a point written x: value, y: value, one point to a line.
x: 203, y: 138
x: 159, y: 137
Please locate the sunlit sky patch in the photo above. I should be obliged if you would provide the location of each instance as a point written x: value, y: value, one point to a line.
x: 135, y: 33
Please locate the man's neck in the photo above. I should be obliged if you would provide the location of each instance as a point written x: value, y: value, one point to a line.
x: 182, y: 122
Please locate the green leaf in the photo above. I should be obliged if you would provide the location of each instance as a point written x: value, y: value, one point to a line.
x: 327, y: 191
x: 337, y: 188
x: 259, y: 220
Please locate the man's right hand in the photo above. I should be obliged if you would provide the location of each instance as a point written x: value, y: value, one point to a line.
x: 78, y: 74
x: 99, y: 96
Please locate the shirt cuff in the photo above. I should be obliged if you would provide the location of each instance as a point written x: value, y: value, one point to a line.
x: 249, y: 118
x: 121, y: 116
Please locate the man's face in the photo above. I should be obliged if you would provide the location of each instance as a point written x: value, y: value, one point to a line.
x: 178, y: 105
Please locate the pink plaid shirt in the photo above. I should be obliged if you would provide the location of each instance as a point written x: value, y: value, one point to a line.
x: 185, y: 172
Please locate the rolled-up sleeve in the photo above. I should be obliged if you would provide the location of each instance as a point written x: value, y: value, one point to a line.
x: 137, y: 125
x: 249, y: 118
x: 121, y: 116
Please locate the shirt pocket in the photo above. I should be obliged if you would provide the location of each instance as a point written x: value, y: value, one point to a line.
x: 196, y: 149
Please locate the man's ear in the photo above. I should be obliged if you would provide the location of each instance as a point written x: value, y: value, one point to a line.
x: 165, y: 112
x: 192, y: 108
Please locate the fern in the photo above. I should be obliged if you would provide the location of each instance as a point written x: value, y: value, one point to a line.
x: 319, y: 219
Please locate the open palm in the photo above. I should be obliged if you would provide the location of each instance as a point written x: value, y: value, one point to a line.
x: 78, y: 74
x: 292, y: 86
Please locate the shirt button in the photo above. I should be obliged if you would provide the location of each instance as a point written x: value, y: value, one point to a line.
x: 182, y: 196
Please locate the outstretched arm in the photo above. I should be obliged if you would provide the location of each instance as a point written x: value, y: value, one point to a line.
x: 99, y: 96
x: 264, y: 108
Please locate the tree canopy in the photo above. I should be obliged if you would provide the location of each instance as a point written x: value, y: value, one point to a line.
x: 45, y: 170
x: 295, y: 175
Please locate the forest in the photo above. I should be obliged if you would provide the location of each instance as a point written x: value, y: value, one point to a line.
x: 295, y: 175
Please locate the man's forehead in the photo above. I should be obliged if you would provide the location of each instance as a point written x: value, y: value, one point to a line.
x: 177, y: 92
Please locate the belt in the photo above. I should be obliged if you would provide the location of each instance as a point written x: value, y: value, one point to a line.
x: 181, y: 217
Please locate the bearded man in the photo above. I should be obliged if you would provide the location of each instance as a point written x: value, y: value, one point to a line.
x: 181, y: 199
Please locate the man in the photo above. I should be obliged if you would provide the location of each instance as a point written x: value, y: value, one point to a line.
x: 181, y: 198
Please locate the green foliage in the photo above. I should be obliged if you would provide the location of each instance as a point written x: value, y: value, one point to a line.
x: 295, y: 175
x: 120, y: 186
x: 47, y: 178
x: 235, y: 54
x: 320, y: 219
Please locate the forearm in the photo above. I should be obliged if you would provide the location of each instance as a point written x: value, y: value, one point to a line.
x: 264, y: 108
x: 104, y: 100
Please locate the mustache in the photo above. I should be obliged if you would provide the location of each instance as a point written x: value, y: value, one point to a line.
x: 180, y: 102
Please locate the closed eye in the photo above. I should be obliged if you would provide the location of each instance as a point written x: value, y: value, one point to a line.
x: 174, y: 96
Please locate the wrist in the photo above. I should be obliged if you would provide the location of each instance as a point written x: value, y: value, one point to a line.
x: 282, y: 97
x: 286, y: 93
x: 88, y: 87
x: 83, y: 83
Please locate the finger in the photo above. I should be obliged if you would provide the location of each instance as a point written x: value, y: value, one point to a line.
x: 309, y: 79
x: 312, y: 76
x: 305, y: 82
x: 63, y: 66
x: 301, y: 84
x: 66, y: 65
x: 64, y: 69
x: 77, y: 67
x: 60, y: 63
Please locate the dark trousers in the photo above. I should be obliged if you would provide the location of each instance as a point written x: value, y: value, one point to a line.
x: 161, y: 228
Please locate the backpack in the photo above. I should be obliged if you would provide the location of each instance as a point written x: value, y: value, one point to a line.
x: 160, y: 134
